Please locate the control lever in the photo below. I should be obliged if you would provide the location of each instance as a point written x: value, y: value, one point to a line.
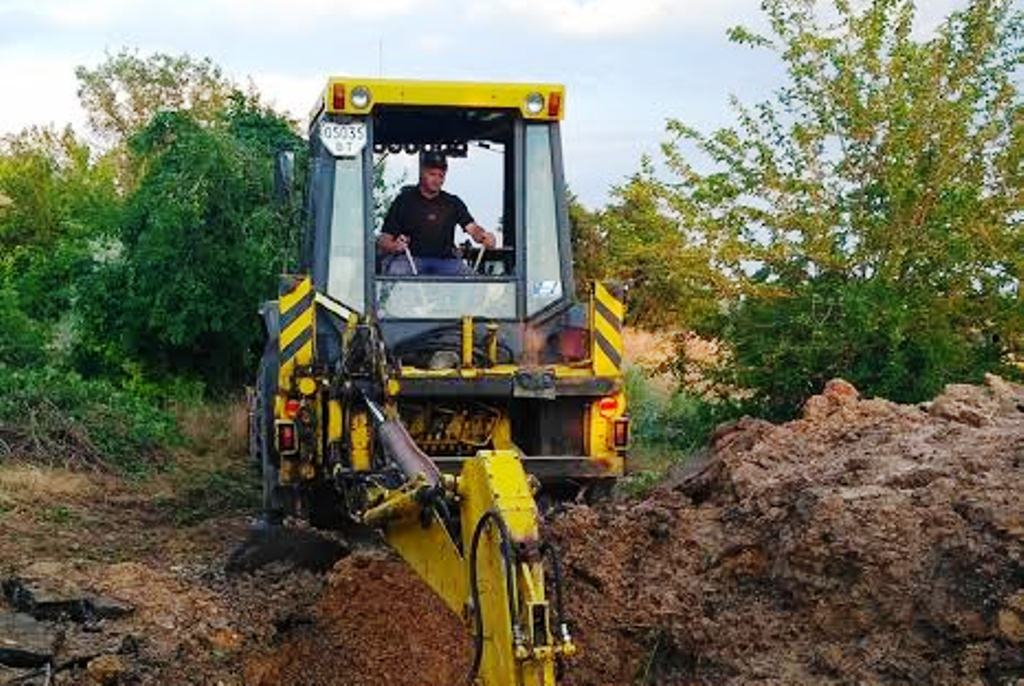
x: 412, y: 262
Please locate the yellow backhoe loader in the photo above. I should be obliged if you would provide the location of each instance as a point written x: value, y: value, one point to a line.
x: 439, y: 409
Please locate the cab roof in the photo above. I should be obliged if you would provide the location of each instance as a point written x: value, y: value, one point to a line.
x: 338, y: 96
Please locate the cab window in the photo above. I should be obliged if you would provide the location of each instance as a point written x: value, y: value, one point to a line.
x: 543, y: 259
x: 478, y: 147
x: 347, y: 243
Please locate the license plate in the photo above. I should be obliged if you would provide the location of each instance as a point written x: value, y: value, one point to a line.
x: 343, y: 140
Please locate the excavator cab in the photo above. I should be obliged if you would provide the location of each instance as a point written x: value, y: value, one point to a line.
x: 503, y: 357
x: 438, y: 408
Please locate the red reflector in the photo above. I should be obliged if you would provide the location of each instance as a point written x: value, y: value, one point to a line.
x: 573, y: 343
x: 338, y: 96
x: 621, y: 431
x: 291, y: 408
x: 608, y: 406
x: 554, y: 104
x: 286, y: 438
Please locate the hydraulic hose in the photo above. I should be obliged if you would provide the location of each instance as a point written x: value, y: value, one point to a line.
x: 508, y: 556
x: 549, y: 549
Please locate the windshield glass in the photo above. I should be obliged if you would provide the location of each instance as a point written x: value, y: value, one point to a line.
x: 466, y: 215
x: 433, y: 299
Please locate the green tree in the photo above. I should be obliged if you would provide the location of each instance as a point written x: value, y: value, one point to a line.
x: 868, y: 216
x: 122, y: 94
x: 61, y: 203
x: 672, y: 273
x: 54, y: 187
x: 589, y: 244
x: 203, y: 242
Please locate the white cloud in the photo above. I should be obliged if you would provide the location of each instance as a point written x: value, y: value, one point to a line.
x: 613, y: 17
x: 72, y: 14
x: 931, y: 15
x: 432, y: 43
x: 79, y: 14
x: 290, y: 93
x: 300, y: 12
x: 41, y: 94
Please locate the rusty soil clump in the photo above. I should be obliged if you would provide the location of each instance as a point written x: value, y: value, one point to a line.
x: 867, y: 542
x: 376, y: 623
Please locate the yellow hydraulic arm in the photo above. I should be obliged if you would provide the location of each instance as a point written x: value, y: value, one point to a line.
x: 493, y: 576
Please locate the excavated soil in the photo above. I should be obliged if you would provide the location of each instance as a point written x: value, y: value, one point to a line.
x: 867, y: 542
x: 376, y: 623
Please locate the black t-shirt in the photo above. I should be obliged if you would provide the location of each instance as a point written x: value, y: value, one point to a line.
x: 428, y: 222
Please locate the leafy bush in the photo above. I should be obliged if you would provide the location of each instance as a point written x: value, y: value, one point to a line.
x: 884, y: 341
x: 864, y: 221
x: 20, y: 337
x: 130, y: 275
x: 57, y: 417
x: 673, y: 425
x: 202, y: 246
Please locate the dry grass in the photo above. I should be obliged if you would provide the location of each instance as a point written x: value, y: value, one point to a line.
x: 211, y: 475
x: 218, y: 430
x: 24, y: 483
x: 655, y: 352
x: 649, y: 349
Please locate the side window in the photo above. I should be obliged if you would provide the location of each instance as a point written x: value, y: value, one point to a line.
x: 348, y: 245
x: 543, y: 261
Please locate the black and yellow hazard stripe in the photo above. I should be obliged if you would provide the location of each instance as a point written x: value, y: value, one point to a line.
x: 607, y: 315
x: 296, y: 305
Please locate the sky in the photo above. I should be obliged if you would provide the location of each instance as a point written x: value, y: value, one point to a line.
x: 628, y: 65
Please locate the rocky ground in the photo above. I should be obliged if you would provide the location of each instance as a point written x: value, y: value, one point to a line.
x: 866, y: 543
x: 102, y: 584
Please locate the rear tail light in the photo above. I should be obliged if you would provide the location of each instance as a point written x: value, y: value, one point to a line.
x: 573, y: 344
x: 338, y: 96
x: 287, y: 442
x: 608, y: 406
x: 621, y: 433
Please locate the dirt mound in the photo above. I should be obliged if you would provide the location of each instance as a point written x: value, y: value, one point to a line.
x: 867, y: 542
x: 376, y: 623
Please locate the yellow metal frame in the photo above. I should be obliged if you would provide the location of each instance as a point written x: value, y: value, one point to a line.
x: 442, y: 94
x: 492, y: 482
x: 298, y: 305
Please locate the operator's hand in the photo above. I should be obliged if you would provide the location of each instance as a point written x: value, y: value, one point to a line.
x: 482, y: 236
x: 393, y: 245
x: 488, y: 239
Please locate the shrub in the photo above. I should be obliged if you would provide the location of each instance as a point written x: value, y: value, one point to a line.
x: 901, y: 346
x: 862, y: 221
x: 669, y: 427
x: 20, y: 337
x: 57, y: 417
